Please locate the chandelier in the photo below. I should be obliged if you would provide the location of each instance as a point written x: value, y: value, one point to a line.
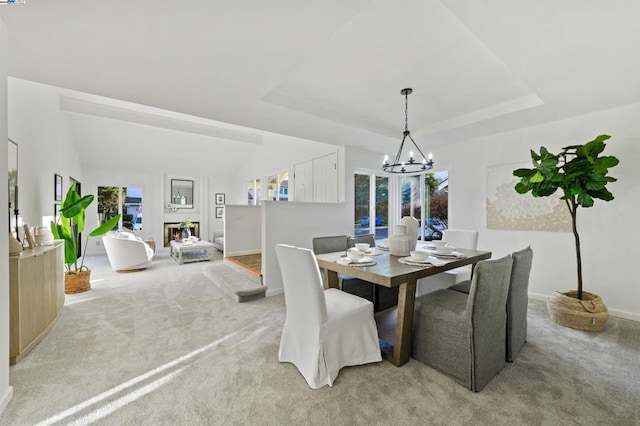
x: 409, y: 165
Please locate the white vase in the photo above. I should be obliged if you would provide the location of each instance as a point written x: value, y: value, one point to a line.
x: 400, y: 242
x: 412, y: 229
x: 14, y: 246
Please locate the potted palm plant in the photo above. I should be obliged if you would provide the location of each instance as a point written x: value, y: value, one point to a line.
x: 580, y: 173
x: 71, y: 224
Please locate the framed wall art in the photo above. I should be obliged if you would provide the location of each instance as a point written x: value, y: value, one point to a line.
x: 220, y: 199
x: 220, y: 212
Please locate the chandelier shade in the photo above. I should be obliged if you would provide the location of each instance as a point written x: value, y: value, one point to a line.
x: 407, y: 164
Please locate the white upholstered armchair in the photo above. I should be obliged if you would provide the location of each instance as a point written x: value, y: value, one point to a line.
x: 127, y: 252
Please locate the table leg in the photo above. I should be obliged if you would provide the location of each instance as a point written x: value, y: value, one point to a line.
x: 404, y: 324
x: 331, y: 279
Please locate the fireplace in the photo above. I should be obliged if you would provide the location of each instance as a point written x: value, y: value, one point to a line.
x: 172, y: 231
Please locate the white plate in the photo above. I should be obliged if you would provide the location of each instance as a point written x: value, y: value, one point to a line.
x: 407, y: 261
x: 452, y: 255
x: 366, y: 261
x: 411, y: 259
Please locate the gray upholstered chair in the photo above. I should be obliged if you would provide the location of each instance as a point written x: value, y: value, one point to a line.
x: 461, y: 335
x: 348, y: 284
x: 517, y: 301
x: 367, y: 238
x: 383, y: 297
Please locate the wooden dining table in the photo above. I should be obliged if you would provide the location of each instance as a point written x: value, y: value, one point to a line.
x: 389, y: 272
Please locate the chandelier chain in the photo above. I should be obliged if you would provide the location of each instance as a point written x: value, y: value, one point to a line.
x: 406, y: 112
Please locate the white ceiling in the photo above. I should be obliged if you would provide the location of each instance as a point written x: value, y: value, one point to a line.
x: 330, y: 70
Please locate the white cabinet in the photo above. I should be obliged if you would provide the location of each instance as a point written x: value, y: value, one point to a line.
x: 325, y: 179
x: 316, y: 180
x: 303, y: 181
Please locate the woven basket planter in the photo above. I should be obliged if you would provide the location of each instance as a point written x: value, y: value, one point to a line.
x: 589, y: 314
x: 77, y: 282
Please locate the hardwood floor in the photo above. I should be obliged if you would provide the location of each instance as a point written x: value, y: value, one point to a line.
x: 250, y: 262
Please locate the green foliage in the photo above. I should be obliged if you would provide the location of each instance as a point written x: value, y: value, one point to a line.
x: 108, y: 199
x: 578, y: 172
x: 72, y: 219
x: 186, y: 223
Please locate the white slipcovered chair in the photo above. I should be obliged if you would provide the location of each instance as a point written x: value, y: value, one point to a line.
x: 324, y: 330
x: 457, y: 238
x: 126, y: 251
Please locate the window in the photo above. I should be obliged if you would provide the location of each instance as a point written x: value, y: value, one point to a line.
x: 278, y: 187
x: 254, y: 189
x: 127, y: 201
x: 425, y: 197
x: 371, y: 196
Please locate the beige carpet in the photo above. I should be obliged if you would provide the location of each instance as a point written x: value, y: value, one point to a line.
x: 167, y: 347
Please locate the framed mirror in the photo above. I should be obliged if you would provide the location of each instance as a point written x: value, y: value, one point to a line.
x: 182, y: 193
x: 13, y: 184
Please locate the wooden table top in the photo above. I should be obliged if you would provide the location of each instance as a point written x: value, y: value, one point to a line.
x: 389, y: 272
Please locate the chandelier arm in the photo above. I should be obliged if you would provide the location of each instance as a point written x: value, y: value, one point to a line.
x: 417, y: 147
x: 410, y: 166
x: 399, y: 154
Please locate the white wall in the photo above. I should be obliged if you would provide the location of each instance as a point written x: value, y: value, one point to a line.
x: 242, y: 230
x: 297, y: 223
x: 6, y: 391
x: 45, y: 147
x: 608, y: 231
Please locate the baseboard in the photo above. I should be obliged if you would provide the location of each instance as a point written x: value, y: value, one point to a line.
x: 274, y: 292
x: 241, y: 253
x: 6, y: 398
x: 612, y: 312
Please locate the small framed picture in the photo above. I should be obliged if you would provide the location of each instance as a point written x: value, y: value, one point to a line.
x: 56, y: 212
x: 220, y: 212
x: 219, y: 199
x: 57, y: 188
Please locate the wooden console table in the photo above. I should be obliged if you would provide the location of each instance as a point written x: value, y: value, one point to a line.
x: 36, y: 296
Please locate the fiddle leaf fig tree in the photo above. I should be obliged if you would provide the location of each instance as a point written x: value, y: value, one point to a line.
x: 579, y: 172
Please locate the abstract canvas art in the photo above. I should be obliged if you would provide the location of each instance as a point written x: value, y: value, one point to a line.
x: 506, y: 209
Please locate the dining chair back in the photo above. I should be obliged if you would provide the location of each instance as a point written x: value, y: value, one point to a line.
x: 517, y: 301
x: 463, y: 335
x: 332, y: 244
x: 324, y: 330
x: 461, y: 238
x: 367, y: 238
x: 303, y: 285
